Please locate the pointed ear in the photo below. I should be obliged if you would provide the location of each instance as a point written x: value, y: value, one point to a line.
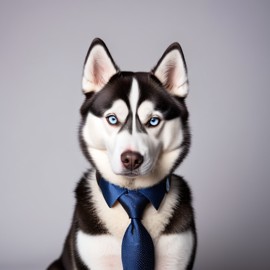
x: 99, y: 67
x: 171, y: 70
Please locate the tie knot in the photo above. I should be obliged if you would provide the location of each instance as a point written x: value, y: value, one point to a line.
x: 134, y: 203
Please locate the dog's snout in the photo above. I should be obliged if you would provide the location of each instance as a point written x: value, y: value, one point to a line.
x: 131, y: 160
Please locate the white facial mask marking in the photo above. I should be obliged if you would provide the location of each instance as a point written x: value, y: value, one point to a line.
x: 148, y: 146
x: 133, y: 100
x: 119, y: 109
x: 99, y: 134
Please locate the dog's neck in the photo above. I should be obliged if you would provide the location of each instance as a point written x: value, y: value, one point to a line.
x: 130, y: 182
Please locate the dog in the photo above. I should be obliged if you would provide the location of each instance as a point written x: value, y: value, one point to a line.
x: 134, y: 132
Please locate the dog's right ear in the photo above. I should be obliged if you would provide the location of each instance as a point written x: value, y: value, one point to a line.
x: 171, y: 70
x: 99, y: 67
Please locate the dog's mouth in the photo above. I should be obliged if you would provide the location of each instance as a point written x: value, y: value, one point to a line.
x: 131, y: 174
x: 134, y: 173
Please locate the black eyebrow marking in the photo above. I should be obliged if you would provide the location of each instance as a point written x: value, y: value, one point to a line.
x: 140, y: 127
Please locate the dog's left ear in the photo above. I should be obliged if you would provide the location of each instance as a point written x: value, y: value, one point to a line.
x: 171, y: 70
x: 99, y: 67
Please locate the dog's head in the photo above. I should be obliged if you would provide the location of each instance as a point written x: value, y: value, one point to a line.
x: 134, y: 126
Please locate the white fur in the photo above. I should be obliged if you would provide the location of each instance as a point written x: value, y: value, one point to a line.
x: 133, y: 100
x: 174, y: 250
x: 172, y: 135
x: 93, y: 127
x: 101, y: 252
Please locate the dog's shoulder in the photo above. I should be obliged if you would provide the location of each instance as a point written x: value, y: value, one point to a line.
x: 183, y: 188
x: 183, y: 217
x: 82, y: 190
x: 86, y: 215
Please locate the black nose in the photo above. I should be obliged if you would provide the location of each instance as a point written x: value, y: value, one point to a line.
x: 131, y: 160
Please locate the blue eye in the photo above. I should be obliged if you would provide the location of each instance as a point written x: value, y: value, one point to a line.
x: 154, y: 121
x: 112, y: 120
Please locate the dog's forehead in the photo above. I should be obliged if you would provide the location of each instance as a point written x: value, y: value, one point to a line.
x: 134, y: 89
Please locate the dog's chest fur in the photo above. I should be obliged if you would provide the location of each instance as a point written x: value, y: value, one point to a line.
x: 103, y: 251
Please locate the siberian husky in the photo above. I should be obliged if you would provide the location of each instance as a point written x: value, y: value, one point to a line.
x: 134, y: 131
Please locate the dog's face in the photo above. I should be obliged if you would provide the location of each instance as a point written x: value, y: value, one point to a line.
x: 134, y: 128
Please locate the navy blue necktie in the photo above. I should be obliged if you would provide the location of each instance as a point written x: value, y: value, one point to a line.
x: 137, y: 246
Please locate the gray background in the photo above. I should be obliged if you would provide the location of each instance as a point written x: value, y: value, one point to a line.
x: 226, y: 44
